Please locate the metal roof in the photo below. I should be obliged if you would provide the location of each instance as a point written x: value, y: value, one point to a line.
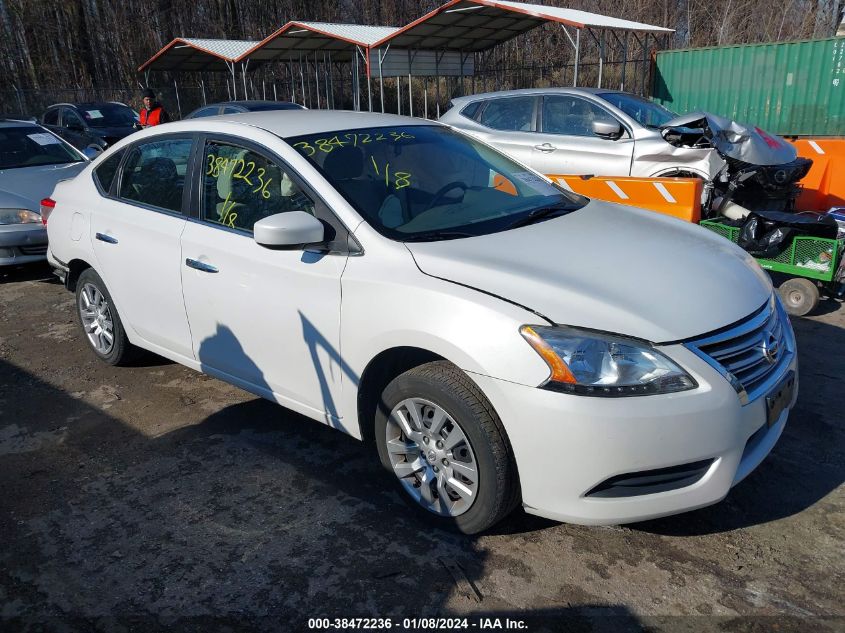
x: 478, y: 25
x: 193, y: 54
x: 296, y: 38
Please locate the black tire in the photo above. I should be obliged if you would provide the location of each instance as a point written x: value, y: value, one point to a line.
x: 445, y: 385
x: 800, y: 296
x: 121, y: 351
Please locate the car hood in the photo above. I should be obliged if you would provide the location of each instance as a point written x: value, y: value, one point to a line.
x: 32, y: 184
x: 612, y: 268
x: 735, y: 140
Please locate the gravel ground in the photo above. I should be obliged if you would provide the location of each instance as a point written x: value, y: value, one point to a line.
x: 155, y: 498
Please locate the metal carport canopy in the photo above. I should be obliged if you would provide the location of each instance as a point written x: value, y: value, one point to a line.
x: 297, y: 38
x: 199, y: 55
x: 479, y: 25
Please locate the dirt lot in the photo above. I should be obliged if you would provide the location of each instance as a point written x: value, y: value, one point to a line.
x: 154, y: 498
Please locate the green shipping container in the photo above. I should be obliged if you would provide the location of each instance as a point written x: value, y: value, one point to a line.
x: 788, y: 88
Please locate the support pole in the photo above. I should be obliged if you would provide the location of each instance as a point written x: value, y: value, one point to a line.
x: 331, y: 82
x: 356, y: 87
x: 644, y: 88
x: 577, y: 56
x: 398, y: 94
x: 302, y: 82
x: 263, y: 90
x: 381, y: 58
x: 624, y: 60
x: 410, y: 91
x: 437, y: 57
x: 243, y: 76
x: 326, y: 81
x: 601, y: 57
x: 317, y: 79
x: 178, y: 104
x: 425, y: 96
x: 202, y: 85
x: 234, y: 96
x: 275, y: 95
x: 292, y: 82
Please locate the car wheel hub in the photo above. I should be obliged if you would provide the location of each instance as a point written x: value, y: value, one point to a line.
x: 432, y: 457
x: 95, y: 314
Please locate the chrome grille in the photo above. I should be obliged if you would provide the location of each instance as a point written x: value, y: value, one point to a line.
x: 753, y: 354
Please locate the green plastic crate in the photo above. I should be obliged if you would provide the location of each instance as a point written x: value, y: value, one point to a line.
x: 810, y: 257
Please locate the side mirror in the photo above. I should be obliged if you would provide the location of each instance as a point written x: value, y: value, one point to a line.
x: 607, y: 129
x: 92, y: 151
x: 288, y: 230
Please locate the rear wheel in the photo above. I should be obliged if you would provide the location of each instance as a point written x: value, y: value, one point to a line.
x: 800, y: 296
x: 445, y: 445
x: 100, y: 321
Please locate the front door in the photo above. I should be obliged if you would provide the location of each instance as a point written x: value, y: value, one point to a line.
x: 567, y: 145
x: 267, y: 320
x: 135, y: 230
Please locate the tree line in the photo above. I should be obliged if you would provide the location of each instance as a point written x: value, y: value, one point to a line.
x: 90, y: 43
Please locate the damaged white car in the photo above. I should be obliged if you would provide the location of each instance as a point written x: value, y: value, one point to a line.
x: 581, y: 131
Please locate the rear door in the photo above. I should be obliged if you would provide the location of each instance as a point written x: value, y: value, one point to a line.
x: 509, y: 124
x: 136, y: 229
x: 73, y: 129
x: 566, y: 143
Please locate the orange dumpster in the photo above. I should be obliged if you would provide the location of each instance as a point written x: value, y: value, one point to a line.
x: 824, y: 185
x: 678, y: 197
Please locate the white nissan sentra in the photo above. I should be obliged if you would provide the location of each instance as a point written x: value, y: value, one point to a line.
x: 498, y: 339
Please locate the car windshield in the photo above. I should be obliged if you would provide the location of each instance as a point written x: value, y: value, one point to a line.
x: 428, y: 183
x: 29, y: 146
x: 645, y: 112
x: 107, y: 115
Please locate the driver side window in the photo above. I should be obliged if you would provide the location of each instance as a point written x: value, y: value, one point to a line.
x: 241, y: 187
x: 571, y: 116
x: 70, y: 120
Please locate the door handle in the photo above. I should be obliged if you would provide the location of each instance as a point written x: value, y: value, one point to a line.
x: 108, y: 239
x: 545, y: 147
x: 206, y: 268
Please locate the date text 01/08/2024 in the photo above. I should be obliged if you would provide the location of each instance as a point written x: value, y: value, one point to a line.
x: 414, y: 624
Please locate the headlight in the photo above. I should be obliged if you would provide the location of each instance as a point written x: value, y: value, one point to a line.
x: 593, y: 364
x: 19, y: 216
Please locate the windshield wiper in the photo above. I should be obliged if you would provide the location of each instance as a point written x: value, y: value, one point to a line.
x: 430, y: 236
x: 543, y: 213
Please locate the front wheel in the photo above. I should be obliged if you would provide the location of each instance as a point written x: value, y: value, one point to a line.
x: 445, y: 445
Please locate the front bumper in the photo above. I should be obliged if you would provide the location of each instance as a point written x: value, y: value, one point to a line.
x: 22, y: 244
x: 567, y: 446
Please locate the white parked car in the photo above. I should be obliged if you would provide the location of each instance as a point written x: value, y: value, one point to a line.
x: 499, y: 340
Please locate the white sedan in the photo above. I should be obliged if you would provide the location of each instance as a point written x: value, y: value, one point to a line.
x: 499, y: 340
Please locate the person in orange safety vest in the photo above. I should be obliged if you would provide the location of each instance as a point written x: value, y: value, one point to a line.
x: 153, y: 113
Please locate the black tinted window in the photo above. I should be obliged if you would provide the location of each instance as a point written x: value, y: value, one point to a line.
x: 154, y: 173
x: 105, y: 171
x: 52, y: 117
x: 28, y: 146
x: 206, y: 112
x: 513, y: 113
x: 242, y: 187
x: 471, y: 110
x: 108, y: 115
x: 71, y: 120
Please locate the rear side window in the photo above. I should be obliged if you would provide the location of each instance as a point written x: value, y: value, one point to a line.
x: 471, y: 110
x: 104, y: 173
x: 52, y: 117
x: 241, y: 187
x: 154, y: 173
x: 513, y: 113
x: 206, y: 112
x: 231, y: 110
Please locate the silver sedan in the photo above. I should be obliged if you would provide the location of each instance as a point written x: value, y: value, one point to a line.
x: 32, y: 161
x: 580, y: 131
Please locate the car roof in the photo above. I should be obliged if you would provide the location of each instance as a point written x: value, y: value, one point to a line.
x: 288, y: 123
x: 88, y: 104
x: 532, y: 91
x: 250, y: 102
x: 18, y: 123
